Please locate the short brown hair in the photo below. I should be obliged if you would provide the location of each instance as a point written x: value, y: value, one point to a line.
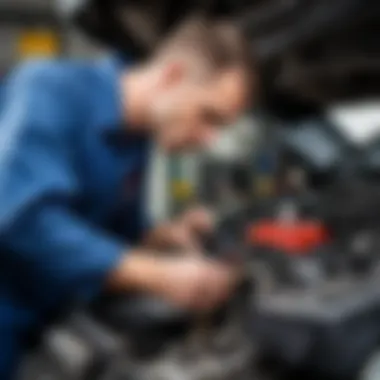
x: 219, y: 42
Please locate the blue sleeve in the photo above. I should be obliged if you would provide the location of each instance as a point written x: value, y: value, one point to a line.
x: 39, y: 234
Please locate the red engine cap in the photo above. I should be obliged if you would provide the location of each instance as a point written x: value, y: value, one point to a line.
x: 294, y: 238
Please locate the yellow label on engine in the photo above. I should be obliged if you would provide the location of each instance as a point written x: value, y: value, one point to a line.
x: 264, y: 186
x: 38, y: 43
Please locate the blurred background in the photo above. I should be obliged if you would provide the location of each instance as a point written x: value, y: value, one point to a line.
x: 318, y: 57
x: 317, y: 125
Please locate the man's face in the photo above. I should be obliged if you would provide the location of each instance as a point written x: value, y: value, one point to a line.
x: 189, y: 114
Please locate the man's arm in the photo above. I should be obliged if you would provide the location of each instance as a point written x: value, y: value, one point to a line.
x: 47, y: 245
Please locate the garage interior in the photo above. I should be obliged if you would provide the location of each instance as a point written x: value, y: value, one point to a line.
x: 295, y: 186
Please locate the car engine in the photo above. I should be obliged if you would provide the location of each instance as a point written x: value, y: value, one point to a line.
x: 139, y: 337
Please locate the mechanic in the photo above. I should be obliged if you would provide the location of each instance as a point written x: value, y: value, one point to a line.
x: 75, y: 142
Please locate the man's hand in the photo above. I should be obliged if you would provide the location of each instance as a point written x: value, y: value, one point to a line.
x: 186, y: 281
x: 200, y: 220
x: 183, y: 232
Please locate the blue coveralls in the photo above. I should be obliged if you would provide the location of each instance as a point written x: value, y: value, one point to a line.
x: 71, y: 192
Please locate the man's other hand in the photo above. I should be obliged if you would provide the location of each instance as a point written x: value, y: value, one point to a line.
x: 199, y: 219
x: 187, y: 281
